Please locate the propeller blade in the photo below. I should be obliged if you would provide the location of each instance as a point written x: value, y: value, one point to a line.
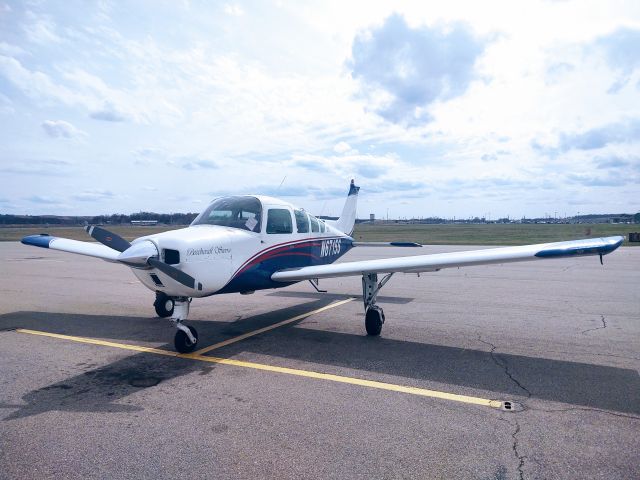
x: 177, y: 275
x: 108, y: 238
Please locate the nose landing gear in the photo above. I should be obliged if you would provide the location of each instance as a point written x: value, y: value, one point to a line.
x: 177, y: 308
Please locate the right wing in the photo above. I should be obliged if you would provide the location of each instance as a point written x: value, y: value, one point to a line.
x: 438, y: 261
x: 90, y: 249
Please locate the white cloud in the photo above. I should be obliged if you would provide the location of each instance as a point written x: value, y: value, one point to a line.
x: 60, y: 128
x: 233, y: 10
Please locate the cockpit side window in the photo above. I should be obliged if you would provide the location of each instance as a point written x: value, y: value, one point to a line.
x: 235, y: 212
x: 302, y: 221
x: 279, y: 221
x: 314, y: 224
x: 322, y: 226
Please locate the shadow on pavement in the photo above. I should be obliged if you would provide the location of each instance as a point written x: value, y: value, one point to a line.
x: 97, y: 389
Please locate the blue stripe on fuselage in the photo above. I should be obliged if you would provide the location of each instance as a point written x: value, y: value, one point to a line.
x: 308, y: 253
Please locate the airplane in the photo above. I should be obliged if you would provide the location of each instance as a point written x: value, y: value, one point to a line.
x: 240, y: 244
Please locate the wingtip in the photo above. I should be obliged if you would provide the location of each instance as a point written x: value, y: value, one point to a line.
x: 43, y: 240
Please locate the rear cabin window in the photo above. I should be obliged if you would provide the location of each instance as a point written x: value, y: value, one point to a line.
x: 279, y: 221
x: 314, y: 224
x: 302, y: 221
x: 322, y: 227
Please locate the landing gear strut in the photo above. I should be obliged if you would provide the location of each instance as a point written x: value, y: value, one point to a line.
x: 177, y: 308
x: 374, y: 315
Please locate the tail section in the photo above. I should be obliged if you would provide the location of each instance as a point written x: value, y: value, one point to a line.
x: 348, y: 218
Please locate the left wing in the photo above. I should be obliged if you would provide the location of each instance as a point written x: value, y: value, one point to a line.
x: 438, y: 261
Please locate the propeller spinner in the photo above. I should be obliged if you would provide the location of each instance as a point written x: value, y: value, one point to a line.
x: 143, y: 253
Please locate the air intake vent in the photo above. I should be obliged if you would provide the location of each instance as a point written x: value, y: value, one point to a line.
x: 171, y: 257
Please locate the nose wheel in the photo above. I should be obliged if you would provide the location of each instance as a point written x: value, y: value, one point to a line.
x: 182, y: 340
x: 177, y: 308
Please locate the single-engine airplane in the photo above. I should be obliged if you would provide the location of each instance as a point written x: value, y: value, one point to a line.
x: 240, y: 244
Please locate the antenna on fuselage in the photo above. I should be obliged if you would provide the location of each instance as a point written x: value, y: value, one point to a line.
x: 278, y: 189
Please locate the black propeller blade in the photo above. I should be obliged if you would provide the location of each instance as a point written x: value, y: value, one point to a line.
x: 107, y: 238
x: 177, y: 275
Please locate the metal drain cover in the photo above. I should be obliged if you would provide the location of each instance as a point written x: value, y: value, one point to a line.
x: 511, y: 406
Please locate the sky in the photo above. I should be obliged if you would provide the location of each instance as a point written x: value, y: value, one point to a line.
x: 450, y: 109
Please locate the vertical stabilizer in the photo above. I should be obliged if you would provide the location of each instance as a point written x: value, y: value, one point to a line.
x: 348, y: 218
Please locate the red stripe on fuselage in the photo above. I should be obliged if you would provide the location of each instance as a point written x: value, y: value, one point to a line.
x: 280, y: 246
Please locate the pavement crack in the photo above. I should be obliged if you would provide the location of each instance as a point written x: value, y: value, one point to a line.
x: 504, y: 366
x: 604, y: 325
x: 584, y: 409
x: 521, y: 458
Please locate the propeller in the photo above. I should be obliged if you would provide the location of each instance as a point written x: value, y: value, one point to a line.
x: 108, y: 238
x: 141, y: 254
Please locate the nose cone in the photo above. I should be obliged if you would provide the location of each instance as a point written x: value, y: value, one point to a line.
x: 139, y: 253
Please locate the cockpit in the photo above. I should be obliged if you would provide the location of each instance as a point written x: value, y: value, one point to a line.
x: 235, y: 212
x: 246, y: 213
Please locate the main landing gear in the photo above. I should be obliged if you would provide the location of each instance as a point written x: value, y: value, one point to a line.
x: 177, y: 308
x: 374, y: 315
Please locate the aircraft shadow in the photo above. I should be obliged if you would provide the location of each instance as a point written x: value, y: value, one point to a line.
x: 337, y: 296
x: 103, y: 389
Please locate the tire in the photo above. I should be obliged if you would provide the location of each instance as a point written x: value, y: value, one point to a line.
x: 182, y: 343
x: 374, y: 319
x: 163, y: 305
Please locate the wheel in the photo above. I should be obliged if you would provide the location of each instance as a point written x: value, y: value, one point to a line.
x: 164, y: 305
x: 182, y: 342
x: 374, y: 319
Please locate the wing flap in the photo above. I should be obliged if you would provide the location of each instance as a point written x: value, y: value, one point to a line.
x: 90, y: 249
x: 438, y: 261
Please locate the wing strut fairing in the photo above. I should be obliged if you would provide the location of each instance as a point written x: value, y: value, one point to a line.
x: 438, y: 261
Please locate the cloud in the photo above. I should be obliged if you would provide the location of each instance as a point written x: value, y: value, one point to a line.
x: 108, y: 113
x: 195, y: 163
x: 622, y: 54
x: 60, y: 128
x: 52, y: 168
x: 11, y: 50
x: 233, y: 10
x: 371, y: 171
x: 611, y: 180
x: 621, y: 49
x: 593, y: 139
x: 613, y: 162
x: 93, y: 195
x: 42, y: 200
x: 41, y: 30
x: 342, y: 147
x: 6, y: 105
x: 411, y: 68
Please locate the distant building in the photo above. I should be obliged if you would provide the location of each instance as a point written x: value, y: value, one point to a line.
x: 144, y: 223
x: 372, y: 217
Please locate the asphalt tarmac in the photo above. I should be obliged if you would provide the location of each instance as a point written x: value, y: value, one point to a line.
x: 556, y: 341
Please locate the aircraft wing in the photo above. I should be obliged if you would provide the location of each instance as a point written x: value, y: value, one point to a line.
x: 438, y: 261
x: 90, y: 249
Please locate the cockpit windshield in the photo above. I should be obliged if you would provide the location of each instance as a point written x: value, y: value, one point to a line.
x: 234, y: 212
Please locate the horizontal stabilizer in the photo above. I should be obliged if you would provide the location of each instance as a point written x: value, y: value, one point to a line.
x: 386, y: 244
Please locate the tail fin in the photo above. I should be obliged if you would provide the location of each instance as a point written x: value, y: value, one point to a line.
x: 348, y: 218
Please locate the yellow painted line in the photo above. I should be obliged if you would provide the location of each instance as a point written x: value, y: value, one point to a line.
x: 104, y: 343
x: 287, y: 371
x: 270, y: 327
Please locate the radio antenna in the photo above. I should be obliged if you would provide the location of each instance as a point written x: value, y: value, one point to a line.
x: 278, y: 189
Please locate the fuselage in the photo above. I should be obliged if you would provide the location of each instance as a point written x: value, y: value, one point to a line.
x: 240, y: 244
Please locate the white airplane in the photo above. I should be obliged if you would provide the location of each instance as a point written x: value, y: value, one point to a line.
x: 240, y: 244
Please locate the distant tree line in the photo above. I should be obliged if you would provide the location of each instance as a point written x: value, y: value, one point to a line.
x: 114, y: 219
